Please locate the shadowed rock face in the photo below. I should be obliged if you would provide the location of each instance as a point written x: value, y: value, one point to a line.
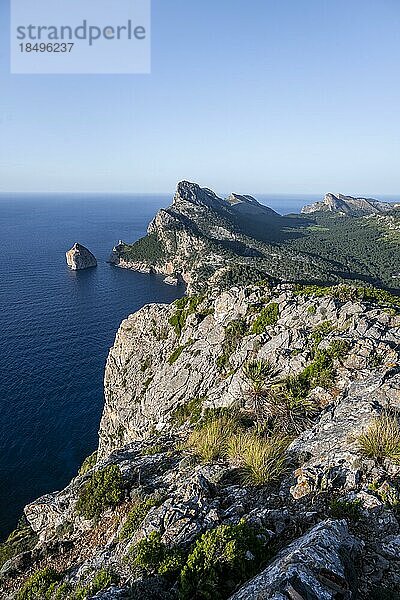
x: 79, y: 258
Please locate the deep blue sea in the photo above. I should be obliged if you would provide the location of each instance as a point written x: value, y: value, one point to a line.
x: 56, y: 327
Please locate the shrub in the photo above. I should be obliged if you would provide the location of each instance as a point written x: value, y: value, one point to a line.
x: 221, y: 559
x: 149, y: 248
x: 345, y: 509
x: 151, y: 556
x: 20, y: 540
x: 262, y: 459
x: 289, y: 409
x: 381, y: 439
x: 103, y: 490
x: 137, y: 515
x: 40, y: 586
x: 269, y: 315
x: 321, y: 332
x: 351, y: 293
x: 101, y: 581
x: 88, y: 463
x: 210, y: 441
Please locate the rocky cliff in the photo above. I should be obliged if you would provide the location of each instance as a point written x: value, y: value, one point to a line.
x: 79, y: 258
x: 347, y: 205
x: 249, y: 449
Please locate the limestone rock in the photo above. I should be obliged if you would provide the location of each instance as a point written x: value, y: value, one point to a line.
x: 79, y: 258
x: 317, y: 566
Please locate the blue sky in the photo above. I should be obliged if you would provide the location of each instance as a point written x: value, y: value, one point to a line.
x: 296, y: 96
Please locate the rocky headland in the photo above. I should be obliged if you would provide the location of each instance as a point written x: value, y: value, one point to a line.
x: 249, y: 449
x: 79, y: 258
x: 210, y: 242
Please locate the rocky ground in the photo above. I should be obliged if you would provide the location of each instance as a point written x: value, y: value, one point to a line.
x: 177, y: 505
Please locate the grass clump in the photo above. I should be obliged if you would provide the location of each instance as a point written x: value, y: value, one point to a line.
x: 103, y: 490
x: 381, y: 439
x: 269, y: 315
x: 211, y: 440
x: 137, y: 515
x: 220, y: 561
x: 88, y: 463
x: 40, y: 586
x: 262, y: 460
x: 345, y: 509
x: 152, y: 450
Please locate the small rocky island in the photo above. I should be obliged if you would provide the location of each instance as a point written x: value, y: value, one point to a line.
x: 79, y: 258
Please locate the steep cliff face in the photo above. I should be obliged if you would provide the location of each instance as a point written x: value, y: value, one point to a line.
x: 231, y: 457
x: 154, y: 367
x: 347, y: 205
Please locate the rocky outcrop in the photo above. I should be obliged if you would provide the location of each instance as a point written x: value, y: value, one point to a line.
x: 328, y: 527
x: 143, y: 386
x: 318, y: 566
x: 347, y: 205
x: 79, y: 258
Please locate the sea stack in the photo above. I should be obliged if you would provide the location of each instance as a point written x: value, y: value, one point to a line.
x: 79, y: 258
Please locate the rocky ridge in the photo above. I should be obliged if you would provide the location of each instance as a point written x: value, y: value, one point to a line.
x: 79, y: 258
x: 328, y: 527
x: 350, y: 206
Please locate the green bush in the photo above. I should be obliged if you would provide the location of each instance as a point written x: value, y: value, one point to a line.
x: 351, y: 293
x: 151, y: 556
x: 269, y: 315
x: 103, y: 490
x: 40, y: 586
x: 149, y: 248
x: 381, y: 439
x: 321, y: 332
x: 221, y: 560
x: 20, y: 540
x: 137, y: 515
x: 101, y: 581
x: 88, y: 463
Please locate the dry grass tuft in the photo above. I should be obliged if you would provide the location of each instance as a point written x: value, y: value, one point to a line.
x: 381, y: 439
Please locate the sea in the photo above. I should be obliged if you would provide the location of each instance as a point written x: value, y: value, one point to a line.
x: 56, y: 328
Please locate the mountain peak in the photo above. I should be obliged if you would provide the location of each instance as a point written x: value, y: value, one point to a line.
x: 194, y: 194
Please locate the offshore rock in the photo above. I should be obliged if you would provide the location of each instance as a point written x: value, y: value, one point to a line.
x: 79, y: 258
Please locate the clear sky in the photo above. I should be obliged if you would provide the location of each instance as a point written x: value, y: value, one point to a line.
x: 245, y: 95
